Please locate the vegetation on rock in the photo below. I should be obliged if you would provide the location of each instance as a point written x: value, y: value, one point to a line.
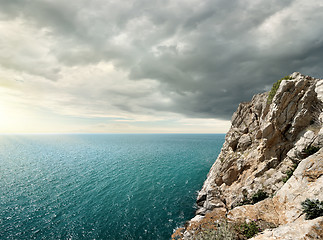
x: 312, y: 208
x: 290, y: 172
x: 256, y: 197
x: 310, y: 150
x: 249, y: 229
x: 259, y: 196
x: 223, y: 231
x: 274, y: 89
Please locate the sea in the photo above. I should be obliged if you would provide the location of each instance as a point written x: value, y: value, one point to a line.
x: 101, y: 186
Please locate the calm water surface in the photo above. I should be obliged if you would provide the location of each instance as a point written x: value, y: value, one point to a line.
x: 101, y: 186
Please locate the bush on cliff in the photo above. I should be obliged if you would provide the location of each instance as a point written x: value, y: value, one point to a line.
x: 274, y: 89
x: 222, y: 231
x: 249, y: 229
x: 312, y: 208
x: 290, y: 172
x: 310, y: 150
x: 256, y: 197
x: 225, y: 230
x: 259, y: 196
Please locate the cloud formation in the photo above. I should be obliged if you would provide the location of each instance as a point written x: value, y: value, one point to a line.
x: 159, y: 58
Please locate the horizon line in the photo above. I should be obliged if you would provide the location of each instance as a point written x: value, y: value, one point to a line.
x: 65, y: 133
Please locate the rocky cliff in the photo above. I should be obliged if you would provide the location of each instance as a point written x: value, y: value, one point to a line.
x: 271, y: 161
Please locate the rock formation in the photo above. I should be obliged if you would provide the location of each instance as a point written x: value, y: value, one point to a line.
x: 273, y: 150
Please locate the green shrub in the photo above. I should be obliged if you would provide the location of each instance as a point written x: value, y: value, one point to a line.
x: 259, y: 196
x: 256, y: 197
x: 223, y: 231
x: 274, y: 89
x: 249, y: 229
x: 312, y: 208
x: 290, y: 172
x: 311, y: 150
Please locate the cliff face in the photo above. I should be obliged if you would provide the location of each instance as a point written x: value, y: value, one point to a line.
x: 267, y: 143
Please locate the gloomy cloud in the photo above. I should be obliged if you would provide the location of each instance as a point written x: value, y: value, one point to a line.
x: 194, y: 58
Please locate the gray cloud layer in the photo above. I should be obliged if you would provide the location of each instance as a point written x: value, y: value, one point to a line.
x: 207, y: 56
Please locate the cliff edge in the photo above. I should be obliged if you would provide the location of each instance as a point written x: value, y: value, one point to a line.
x: 270, y: 163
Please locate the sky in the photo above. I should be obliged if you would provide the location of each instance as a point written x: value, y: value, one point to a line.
x: 147, y: 66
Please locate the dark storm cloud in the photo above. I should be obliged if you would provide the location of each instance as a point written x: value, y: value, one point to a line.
x: 207, y: 55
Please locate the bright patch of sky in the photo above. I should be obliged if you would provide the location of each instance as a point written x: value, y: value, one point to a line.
x: 147, y: 66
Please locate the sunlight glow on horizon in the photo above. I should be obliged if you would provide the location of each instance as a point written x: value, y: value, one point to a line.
x: 23, y: 119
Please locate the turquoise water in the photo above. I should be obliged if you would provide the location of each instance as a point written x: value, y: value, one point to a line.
x: 101, y: 186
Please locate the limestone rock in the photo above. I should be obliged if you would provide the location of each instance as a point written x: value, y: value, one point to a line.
x: 245, y: 159
x: 285, y: 206
x: 244, y: 142
x: 308, y: 230
x: 298, y: 151
x: 264, y: 144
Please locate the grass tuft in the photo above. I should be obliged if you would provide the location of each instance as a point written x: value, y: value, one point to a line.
x: 275, y: 87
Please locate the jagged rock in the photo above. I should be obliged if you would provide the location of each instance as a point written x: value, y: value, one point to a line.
x: 297, y: 230
x: 306, y: 140
x: 213, y: 203
x: 197, y: 218
x: 244, y: 142
x: 264, y: 142
x: 285, y: 206
x: 201, y: 211
x: 267, y: 130
x: 282, y: 124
